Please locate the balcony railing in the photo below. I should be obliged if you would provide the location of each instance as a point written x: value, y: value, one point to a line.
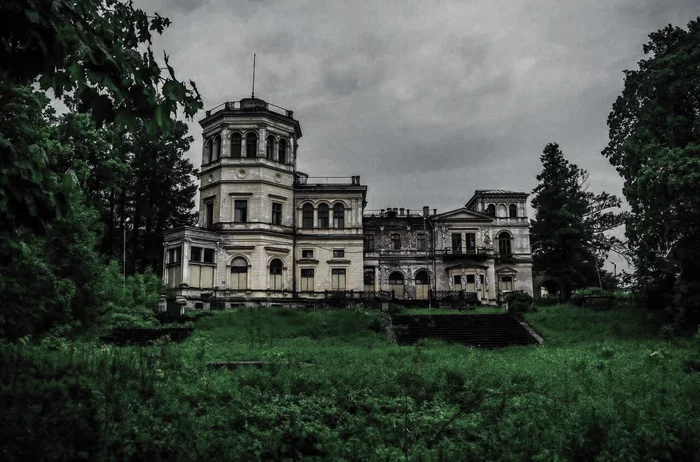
x: 327, y: 180
x: 477, y: 251
x: 250, y: 104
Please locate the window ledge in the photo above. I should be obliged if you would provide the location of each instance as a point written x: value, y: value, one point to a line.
x: 202, y: 263
x: 339, y: 261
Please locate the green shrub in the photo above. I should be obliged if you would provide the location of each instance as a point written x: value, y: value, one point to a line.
x: 548, y: 300
x: 578, y: 296
x: 519, y: 302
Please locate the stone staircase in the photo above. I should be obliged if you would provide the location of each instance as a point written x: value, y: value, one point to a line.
x: 479, y: 330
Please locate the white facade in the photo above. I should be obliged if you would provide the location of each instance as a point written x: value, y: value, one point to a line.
x: 267, y: 231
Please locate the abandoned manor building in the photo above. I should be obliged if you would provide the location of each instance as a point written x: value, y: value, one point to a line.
x: 269, y: 232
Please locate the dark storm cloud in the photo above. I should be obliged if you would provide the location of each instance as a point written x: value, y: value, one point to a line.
x: 427, y: 101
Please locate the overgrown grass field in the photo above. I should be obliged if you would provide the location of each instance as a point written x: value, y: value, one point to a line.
x: 605, y: 386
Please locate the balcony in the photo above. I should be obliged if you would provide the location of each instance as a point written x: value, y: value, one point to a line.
x: 479, y: 253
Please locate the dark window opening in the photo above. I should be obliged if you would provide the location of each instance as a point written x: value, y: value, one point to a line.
x: 276, y: 214
x: 420, y: 242
x: 338, y: 216
x: 338, y: 253
x: 504, y: 244
x: 471, y: 242
x: 283, y: 151
x: 236, y: 145
x: 338, y: 279
x: 369, y: 243
x: 240, y: 214
x: 251, y: 145
x: 491, y: 210
x: 270, y: 147
x: 513, y: 211
x: 209, y: 215
x: 396, y: 241
x: 208, y: 256
x: 307, y: 216
x: 323, y: 214
x: 307, y: 253
x: 457, y: 243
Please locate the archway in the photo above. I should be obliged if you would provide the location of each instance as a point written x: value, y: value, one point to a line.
x: 396, y: 284
x: 422, y: 285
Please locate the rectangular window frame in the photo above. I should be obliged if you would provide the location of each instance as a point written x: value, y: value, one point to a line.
x: 307, y: 253
x: 240, y: 211
x: 276, y: 213
x: 338, y: 253
x: 421, y: 242
x: 307, y: 279
x: 368, y: 243
x: 338, y: 279
x: 395, y: 241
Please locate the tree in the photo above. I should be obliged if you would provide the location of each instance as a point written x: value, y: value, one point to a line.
x: 568, y: 234
x: 654, y: 130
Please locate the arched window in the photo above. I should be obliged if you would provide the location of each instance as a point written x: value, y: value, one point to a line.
x: 239, y: 274
x: 307, y: 216
x: 502, y: 210
x: 504, y: 243
x: 338, y: 216
x: 270, y: 147
x: 208, y: 151
x: 323, y: 216
x: 283, y: 151
x: 217, y: 148
x: 396, y: 284
x: 236, y: 145
x: 422, y: 285
x: 251, y: 145
x: 276, y: 274
x: 491, y: 210
x: 512, y: 211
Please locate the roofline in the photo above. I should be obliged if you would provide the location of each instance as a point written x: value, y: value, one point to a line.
x: 220, y: 114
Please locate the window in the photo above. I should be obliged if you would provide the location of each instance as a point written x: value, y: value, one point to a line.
x: 217, y: 148
x: 338, y: 279
x: 369, y: 280
x: 456, y: 243
x: 512, y: 211
x: 196, y: 254
x: 307, y: 253
x: 240, y: 214
x: 504, y: 244
x: 236, y: 145
x: 369, y: 243
x: 457, y: 282
x: 208, y: 256
x: 276, y: 213
x: 396, y: 284
x: 239, y: 274
x: 307, y: 216
x: 307, y: 280
x: 471, y: 283
x: 209, y: 215
x: 471, y: 242
x: 209, y: 151
x: 396, y: 241
x: 422, y: 285
x: 338, y: 216
x: 174, y: 255
x: 506, y: 283
x: 283, y: 151
x: 338, y: 253
x: 491, y: 210
x: 276, y: 274
x: 251, y: 145
x: 323, y: 216
x: 270, y: 147
x: 420, y: 242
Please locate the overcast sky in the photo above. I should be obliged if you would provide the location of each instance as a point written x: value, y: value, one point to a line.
x: 425, y: 100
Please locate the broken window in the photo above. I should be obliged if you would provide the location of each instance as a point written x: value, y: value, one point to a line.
x: 420, y: 242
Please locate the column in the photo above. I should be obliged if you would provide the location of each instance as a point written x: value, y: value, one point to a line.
x: 225, y: 143
x: 184, y: 261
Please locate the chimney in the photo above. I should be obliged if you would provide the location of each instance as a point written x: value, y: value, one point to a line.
x: 426, y: 211
x: 408, y: 212
x: 434, y: 211
x: 381, y: 213
x: 401, y: 211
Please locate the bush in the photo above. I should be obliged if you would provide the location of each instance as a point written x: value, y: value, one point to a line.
x: 548, y: 300
x: 519, y: 302
x: 579, y: 295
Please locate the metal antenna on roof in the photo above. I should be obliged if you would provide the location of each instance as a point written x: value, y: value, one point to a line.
x: 253, y: 94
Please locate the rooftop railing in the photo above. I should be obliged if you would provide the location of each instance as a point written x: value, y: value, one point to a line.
x: 250, y: 104
x: 327, y: 180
